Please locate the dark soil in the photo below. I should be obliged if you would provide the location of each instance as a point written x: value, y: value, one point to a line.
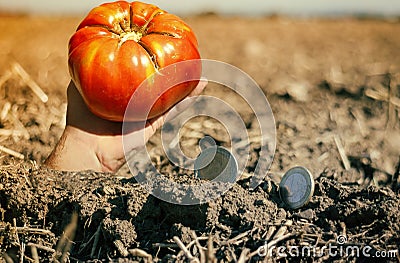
x: 324, y: 79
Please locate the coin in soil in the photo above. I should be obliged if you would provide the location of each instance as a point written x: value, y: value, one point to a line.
x: 216, y: 163
x: 296, y: 187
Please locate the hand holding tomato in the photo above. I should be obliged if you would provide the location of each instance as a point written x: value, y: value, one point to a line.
x: 92, y: 143
x: 118, y: 49
x: 119, y: 46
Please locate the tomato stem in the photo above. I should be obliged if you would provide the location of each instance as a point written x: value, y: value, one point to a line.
x: 134, y: 35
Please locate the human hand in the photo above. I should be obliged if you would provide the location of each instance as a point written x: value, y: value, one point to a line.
x: 92, y: 143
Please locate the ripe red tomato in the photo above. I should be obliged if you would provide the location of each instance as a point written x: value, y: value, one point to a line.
x: 118, y: 46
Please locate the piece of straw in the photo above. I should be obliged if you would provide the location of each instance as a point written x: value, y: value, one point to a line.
x: 18, y: 69
x: 11, y: 152
x: 342, y: 153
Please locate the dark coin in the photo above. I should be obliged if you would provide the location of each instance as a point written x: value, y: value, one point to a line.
x: 216, y: 163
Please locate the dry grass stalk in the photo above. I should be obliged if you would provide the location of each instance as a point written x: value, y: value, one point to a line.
x: 243, y: 255
x: 185, y: 250
x: 136, y: 252
x: 323, y: 157
x: 389, y: 95
x: 12, y: 152
x: 5, y: 110
x: 195, y: 241
x: 199, y: 247
x: 360, y: 121
x: 19, y: 70
x: 8, y: 133
x: 41, y: 247
x: 28, y: 230
x: 392, y: 113
x: 268, y: 234
x: 7, y: 258
x: 35, y: 254
x: 344, y: 229
x: 65, y: 242
x: 382, y: 95
x: 342, y: 153
x: 237, y: 239
x: 165, y: 245
x: 282, y: 230
x: 22, y: 252
x: 28, y: 182
x: 210, y: 256
x: 121, y: 248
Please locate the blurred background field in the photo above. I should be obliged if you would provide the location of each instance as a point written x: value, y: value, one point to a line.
x: 384, y: 8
